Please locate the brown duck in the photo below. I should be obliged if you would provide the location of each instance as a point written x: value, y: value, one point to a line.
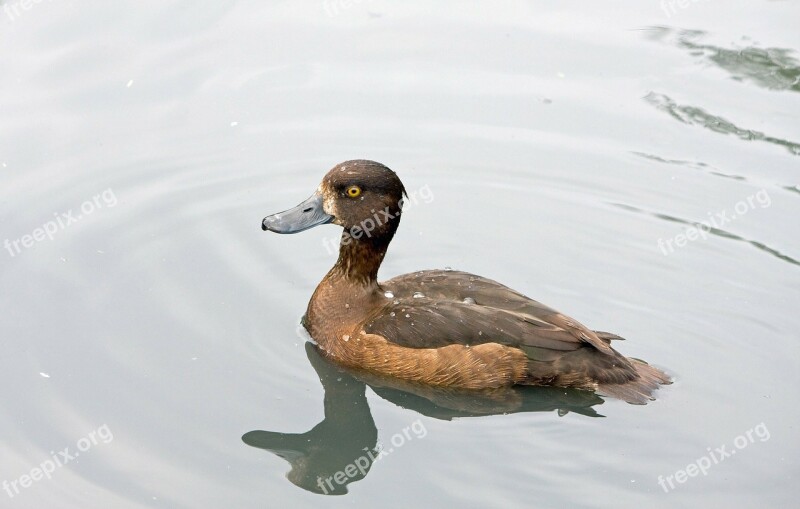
x: 441, y: 327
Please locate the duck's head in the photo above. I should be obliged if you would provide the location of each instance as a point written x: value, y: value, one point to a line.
x: 364, y: 197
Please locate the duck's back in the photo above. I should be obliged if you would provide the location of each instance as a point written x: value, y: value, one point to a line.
x: 438, y: 308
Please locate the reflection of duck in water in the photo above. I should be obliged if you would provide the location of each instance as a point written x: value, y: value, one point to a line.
x: 343, y: 447
x: 441, y: 328
x: 345, y: 434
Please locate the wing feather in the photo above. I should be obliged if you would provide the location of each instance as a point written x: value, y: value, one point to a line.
x: 432, y: 309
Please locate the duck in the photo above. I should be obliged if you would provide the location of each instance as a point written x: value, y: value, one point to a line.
x: 441, y: 327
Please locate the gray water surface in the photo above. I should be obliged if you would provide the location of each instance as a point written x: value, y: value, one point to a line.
x: 631, y: 164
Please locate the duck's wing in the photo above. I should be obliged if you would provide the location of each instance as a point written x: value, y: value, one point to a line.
x: 431, y: 309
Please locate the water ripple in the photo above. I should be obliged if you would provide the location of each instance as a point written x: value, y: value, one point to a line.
x: 714, y: 231
x: 771, y: 68
x: 697, y: 165
x: 693, y: 115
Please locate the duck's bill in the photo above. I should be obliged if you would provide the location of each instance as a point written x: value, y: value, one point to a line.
x: 300, y: 218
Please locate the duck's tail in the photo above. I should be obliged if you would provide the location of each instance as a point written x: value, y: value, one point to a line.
x: 639, y: 390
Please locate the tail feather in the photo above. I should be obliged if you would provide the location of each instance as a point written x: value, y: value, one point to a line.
x: 639, y: 390
x: 608, y: 336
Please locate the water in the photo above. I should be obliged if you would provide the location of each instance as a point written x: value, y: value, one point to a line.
x: 565, y: 150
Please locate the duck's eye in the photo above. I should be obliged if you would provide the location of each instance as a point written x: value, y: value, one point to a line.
x: 353, y: 191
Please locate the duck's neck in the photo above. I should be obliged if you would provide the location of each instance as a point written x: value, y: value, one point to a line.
x: 349, y: 288
x: 359, y: 260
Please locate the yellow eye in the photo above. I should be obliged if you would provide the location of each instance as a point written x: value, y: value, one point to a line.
x: 353, y: 191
